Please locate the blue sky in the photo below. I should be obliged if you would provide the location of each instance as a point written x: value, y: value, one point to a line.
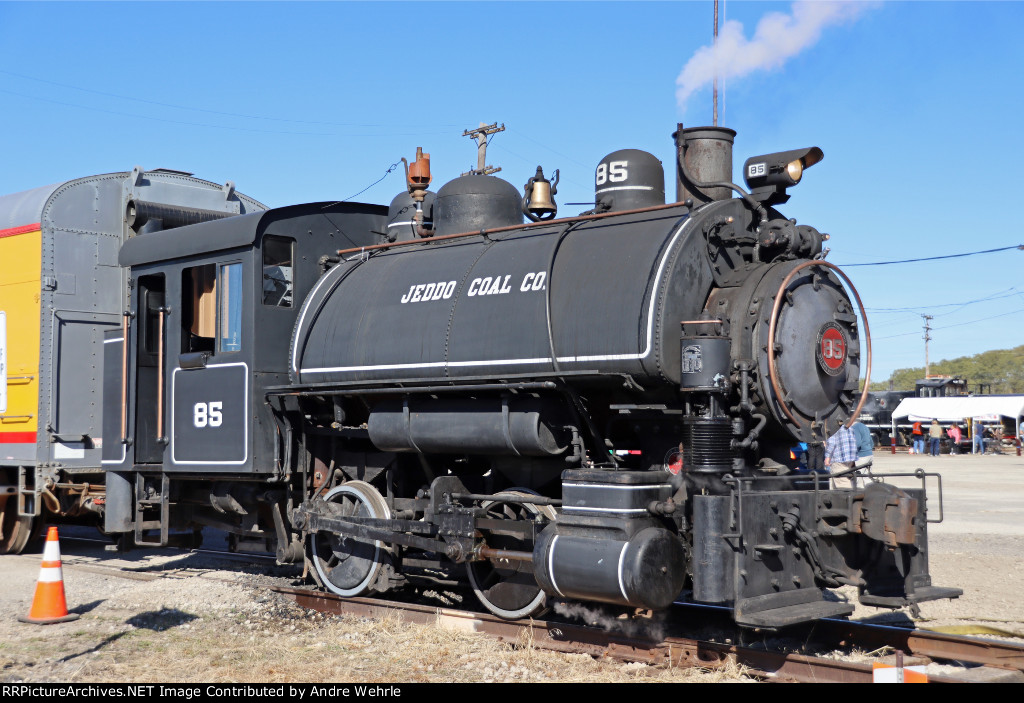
x: 917, y: 106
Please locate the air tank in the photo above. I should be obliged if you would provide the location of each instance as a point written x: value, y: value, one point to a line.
x: 629, y: 179
x: 491, y: 426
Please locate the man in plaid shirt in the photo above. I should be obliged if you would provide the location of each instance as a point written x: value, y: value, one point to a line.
x: 840, y: 454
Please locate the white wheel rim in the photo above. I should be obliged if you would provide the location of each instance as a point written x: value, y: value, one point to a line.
x: 366, y: 495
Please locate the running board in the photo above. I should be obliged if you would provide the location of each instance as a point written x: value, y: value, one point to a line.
x: 918, y: 596
x: 776, y: 610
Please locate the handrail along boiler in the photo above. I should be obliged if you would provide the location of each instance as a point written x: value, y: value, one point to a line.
x: 594, y: 408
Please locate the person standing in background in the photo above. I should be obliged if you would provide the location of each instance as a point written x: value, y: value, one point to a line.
x: 865, y: 445
x: 918, y: 439
x: 954, y: 435
x: 935, y: 437
x: 840, y: 455
x: 979, y: 438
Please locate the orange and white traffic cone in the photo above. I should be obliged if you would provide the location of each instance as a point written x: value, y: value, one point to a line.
x: 49, y: 605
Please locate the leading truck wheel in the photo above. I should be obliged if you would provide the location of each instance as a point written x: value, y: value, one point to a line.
x: 507, y: 587
x: 15, y: 531
x: 344, y: 565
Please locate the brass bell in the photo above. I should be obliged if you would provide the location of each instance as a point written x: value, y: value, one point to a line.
x: 539, y: 203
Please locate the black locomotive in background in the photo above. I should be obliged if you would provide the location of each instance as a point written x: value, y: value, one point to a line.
x: 593, y: 408
x: 876, y: 412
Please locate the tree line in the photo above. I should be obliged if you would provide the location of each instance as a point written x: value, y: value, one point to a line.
x: 998, y: 371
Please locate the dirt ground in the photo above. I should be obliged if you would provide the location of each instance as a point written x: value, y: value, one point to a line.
x: 212, y: 626
x: 208, y: 624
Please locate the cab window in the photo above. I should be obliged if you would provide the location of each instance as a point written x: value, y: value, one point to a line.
x: 199, y: 311
x: 211, y: 305
x: 278, y: 267
x: 229, y: 307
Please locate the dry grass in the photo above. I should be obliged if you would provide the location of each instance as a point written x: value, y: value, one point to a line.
x: 279, y: 643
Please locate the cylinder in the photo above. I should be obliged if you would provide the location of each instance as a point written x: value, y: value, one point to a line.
x: 647, y: 570
x: 706, y: 154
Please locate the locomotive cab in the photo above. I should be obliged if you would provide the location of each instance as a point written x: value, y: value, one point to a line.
x: 207, y: 331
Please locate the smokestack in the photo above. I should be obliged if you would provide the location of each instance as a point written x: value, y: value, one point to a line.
x: 703, y: 158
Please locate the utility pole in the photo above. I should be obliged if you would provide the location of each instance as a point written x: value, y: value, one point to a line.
x: 927, y: 337
x: 480, y: 135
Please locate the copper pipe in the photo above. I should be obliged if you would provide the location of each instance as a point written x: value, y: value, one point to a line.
x: 160, y: 378
x: 773, y: 371
x: 508, y: 228
x: 124, y: 379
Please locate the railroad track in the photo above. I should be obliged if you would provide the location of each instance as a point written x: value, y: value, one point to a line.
x: 985, y: 660
x: 972, y: 659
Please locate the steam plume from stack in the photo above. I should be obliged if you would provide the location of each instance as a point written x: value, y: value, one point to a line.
x: 778, y: 38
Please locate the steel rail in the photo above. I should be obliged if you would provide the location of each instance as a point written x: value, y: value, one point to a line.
x: 921, y: 643
x: 671, y: 651
x: 925, y: 643
x: 782, y: 666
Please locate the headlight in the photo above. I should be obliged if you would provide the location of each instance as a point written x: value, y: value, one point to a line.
x: 795, y: 169
x: 769, y: 175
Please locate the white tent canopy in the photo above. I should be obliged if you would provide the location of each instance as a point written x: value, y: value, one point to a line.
x: 983, y: 407
x: 987, y: 408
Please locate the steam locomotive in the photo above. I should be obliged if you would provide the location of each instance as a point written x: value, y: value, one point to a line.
x: 593, y: 408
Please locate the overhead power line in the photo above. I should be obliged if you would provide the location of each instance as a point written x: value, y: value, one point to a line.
x: 1008, y: 293
x: 190, y: 108
x: 160, y: 119
x: 936, y: 258
x: 545, y: 146
x: 958, y: 324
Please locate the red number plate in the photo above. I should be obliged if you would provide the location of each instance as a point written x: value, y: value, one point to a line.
x: 832, y: 349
